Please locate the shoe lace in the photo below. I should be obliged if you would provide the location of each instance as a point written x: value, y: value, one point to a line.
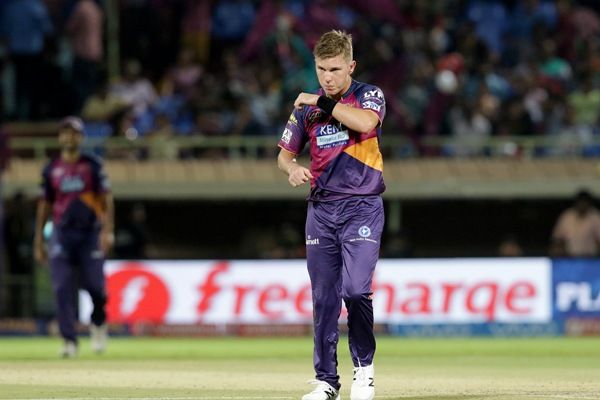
x: 360, y: 376
x: 321, y: 386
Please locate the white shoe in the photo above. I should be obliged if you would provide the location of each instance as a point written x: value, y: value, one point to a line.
x: 69, y: 349
x: 98, y: 337
x: 323, y: 391
x: 363, y: 385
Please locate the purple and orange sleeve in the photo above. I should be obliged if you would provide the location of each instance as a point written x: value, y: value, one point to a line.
x: 294, y: 135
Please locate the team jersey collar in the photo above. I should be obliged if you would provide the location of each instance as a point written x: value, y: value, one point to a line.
x: 350, y: 90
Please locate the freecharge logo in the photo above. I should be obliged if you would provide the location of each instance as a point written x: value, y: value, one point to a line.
x: 136, y: 295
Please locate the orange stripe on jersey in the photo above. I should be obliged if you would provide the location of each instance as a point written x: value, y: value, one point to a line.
x: 92, y: 200
x: 367, y: 152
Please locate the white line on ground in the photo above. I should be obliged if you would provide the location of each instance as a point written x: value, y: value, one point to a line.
x: 488, y: 395
x: 564, y: 396
x: 164, y: 398
x: 512, y: 395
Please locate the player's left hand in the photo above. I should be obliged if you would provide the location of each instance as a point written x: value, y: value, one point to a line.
x: 305, y: 99
x: 107, y: 240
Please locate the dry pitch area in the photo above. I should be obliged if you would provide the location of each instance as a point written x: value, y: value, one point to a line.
x: 278, y: 368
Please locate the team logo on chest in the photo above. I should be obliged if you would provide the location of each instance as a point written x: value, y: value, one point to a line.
x: 69, y: 184
x: 315, y: 116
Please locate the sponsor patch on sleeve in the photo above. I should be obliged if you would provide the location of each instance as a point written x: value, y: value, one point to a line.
x: 286, y: 137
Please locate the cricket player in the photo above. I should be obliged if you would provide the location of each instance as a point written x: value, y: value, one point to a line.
x: 76, y: 194
x: 342, y: 126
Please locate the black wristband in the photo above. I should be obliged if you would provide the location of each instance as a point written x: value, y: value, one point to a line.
x: 326, y: 104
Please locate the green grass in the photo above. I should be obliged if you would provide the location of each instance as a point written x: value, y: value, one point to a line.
x: 278, y: 368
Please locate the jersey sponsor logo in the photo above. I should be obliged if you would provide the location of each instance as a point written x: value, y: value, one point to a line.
x: 312, y: 242
x: 70, y: 184
x: 364, y: 231
x: 336, y: 139
x: 371, y: 105
x: 286, y: 137
x: 375, y: 93
x: 293, y: 120
x: 331, y: 136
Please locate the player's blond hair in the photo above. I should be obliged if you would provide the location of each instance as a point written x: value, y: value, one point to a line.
x: 332, y: 44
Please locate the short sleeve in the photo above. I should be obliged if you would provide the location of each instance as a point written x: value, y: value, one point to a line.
x: 372, y: 99
x: 294, y: 135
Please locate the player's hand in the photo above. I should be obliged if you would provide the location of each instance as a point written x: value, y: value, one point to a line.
x: 39, y: 253
x: 107, y: 240
x: 298, y: 175
x: 305, y: 99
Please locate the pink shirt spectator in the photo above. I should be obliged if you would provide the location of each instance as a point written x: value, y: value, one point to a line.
x: 85, y: 29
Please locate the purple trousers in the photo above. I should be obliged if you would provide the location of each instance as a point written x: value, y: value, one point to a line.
x: 76, y: 261
x: 342, y: 248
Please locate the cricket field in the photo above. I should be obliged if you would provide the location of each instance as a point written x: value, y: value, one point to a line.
x: 278, y: 368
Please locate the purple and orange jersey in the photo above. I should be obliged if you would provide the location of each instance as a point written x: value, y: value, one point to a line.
x: 74, y: 190
x: 343, y: 162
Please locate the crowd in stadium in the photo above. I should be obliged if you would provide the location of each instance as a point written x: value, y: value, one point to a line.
x: 462, y: 69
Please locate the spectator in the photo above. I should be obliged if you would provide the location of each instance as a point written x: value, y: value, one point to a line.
x: 85, y: 29
x: 25, y: 26
x: 585, y: 102
x: 470, y: 130
x: 137, y: 91
x: 515, y: 120
x: 104, y: 108
x: 491, y: 22
x: 510, y: 247
x: 231, y: 23
x: 577, y: 230
x: 182, y: 78
x: 134, y: 88
x: 160, y: 138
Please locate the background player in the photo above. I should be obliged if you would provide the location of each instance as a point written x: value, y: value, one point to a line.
x: 76, y: 193
x: 345, y: 216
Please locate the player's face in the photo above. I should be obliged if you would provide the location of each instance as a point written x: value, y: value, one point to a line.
x: 334, y: 74
x: 69, y: 139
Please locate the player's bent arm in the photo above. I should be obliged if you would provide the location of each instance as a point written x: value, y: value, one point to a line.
x: 297, y: 174
x: 358, y: 119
